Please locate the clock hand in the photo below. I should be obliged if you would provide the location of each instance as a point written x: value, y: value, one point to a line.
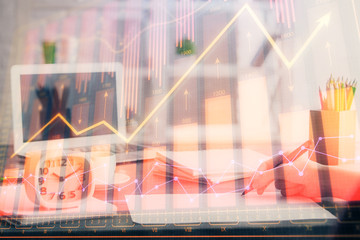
x: 72, y: 173
x: 66, y: 175
x: 60, y: 178
x: 55, y: 175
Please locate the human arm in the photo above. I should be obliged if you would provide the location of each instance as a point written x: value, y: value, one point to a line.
x: 300, y: 176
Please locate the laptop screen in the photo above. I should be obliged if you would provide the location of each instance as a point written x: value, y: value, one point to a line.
x: 78, y: 103
x: 82, y: 99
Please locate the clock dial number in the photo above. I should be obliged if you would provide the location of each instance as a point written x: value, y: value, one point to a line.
x: 41, y: 181
x: 43, y: 190
x: 72, y: 194
x: 52, y: 195
x: 62, y: 196
x: 63, y: 162
x: 44, y: 171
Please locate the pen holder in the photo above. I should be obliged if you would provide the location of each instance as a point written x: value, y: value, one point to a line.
x: 333, y: 133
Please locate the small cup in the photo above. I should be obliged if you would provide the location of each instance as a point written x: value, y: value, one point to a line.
x: 104, y: 165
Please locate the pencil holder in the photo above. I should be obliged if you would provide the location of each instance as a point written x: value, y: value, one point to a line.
x: 333, y: 133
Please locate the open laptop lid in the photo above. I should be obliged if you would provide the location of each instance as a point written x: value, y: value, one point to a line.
x: 66, y: 105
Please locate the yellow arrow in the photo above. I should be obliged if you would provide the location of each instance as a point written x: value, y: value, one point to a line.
x: 291, y: 85
x: 186, y: 93
x: 61, y: 93
x: 328, y: 47
x: 105, y: 97
x: 248, y: 36
x: 356, y: 18
x: 156, y: 127
x: 323, y: 21
x: 79, y: 121
x: 217, y: 68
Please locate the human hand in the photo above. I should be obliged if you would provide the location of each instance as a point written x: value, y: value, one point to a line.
x: 294, y: 174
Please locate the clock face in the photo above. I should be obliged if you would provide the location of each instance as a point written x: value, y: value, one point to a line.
x: 63, y: 181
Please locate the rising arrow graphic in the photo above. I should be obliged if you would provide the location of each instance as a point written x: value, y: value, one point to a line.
x: 217, y: 68
x: 322, y: 22
x: 186, y: 93
x: 248, y: 36
x: 105, y: 97
x: 62, y: 92
x: 291, y: 85
x: 79, y: 121
x: 156, y: 127
x: 328, y: 47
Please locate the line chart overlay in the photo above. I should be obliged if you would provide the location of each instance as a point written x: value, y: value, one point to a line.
x: 211, y: 185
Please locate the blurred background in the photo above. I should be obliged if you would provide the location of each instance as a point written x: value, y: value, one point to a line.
x: 252, y: 87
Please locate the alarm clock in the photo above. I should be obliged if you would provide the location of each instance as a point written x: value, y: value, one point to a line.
x: 58, y: 182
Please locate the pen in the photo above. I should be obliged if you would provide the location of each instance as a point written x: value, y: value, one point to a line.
x: 330, y: 93
x: 337, y: 97
x: 350, y: 94
x: 246, y: 191
x: 342, y: 95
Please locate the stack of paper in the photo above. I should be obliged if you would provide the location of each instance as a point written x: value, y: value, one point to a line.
x: 216, y: 165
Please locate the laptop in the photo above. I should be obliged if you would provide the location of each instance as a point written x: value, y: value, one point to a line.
x: 68, y: 106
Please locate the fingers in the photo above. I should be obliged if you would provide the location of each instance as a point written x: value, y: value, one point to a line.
x: 263, y: 180
x: 279, y: 184
x: 264, y: 175
x: 288, y: 188
x: 280, y: 174
x: 261, y: 190
x: 292, y: 191
x: 282, y: 184
x: 299, y: 151
x: 266, y: 165
x: 271, y: 162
